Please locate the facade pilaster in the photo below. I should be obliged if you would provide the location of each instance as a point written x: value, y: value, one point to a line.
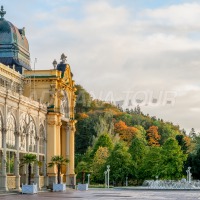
x: 70, y: 174
x: 51, y: 146
x: 58, y: 136
x: 67, y: 155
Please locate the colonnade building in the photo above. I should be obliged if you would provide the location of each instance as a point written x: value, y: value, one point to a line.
x: 36, y: 113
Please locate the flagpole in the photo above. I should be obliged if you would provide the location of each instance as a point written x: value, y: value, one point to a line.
x: 34, y: 80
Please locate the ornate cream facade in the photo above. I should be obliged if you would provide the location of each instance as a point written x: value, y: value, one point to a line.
x: 36, y: 116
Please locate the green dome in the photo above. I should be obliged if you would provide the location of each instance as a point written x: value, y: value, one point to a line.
x: 14, y: 47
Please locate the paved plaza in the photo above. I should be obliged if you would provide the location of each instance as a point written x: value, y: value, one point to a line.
x: 105, y: 194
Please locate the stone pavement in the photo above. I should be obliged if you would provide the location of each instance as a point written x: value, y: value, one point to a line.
x: 108, y: 194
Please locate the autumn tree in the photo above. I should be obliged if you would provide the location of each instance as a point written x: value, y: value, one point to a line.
x: 81, y: 116
x: 125, y: 132
x: 153, y: 136
x: 98, y: 164
x: 104, y: 140
x: 184, y: 142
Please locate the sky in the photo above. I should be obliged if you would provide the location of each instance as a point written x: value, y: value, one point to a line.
x: 146, y: 52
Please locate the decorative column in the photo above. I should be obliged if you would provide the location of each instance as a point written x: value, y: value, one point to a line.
x: 36, y: 167
x: 71, y: 149
x: 17, y: 162
x: 45, y: 162
x: 3, y: 181
x: 27, y: 150
x: 3, y: 177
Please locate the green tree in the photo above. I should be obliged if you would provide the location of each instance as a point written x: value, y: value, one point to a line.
x: 151, y: 165
x: 58, y: 161
x: 91, y: 126
x: 29, y: 159
x: 184, y: 142
x: 83, y: 168
x: 167, y: 130
x: 104, y: 140
x: 141, y: 132
x: 120, y: 163
x: 138, y: 150
x: 85, y: 134
x: 104, y: 123
x: 193, y: 161
x: 173, y: 159
x: 83, y: 100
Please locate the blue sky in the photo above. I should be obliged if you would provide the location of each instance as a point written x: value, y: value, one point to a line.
x: 122, y: 49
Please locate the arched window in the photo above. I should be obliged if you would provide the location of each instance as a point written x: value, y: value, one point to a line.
x: 22, y: 131
x: 32, y: 135
x: 10, y: 135
x: 1, y: 126
x: 41, y: 139
x: 64, y: 106
x: 27, y: 133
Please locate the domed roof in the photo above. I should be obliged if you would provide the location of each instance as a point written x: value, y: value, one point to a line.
x: 14, y: 47
x: 10, y: 34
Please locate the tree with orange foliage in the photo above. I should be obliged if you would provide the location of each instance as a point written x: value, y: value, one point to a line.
x: 120, y: 128
x: 153, y: 136
x: 184, y: 142
x: 126, y: 133
x: 81, y: 116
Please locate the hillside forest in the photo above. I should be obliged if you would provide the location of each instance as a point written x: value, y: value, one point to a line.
x: 134, y: 144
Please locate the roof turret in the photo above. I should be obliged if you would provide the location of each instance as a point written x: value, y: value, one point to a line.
x: 14, y: 47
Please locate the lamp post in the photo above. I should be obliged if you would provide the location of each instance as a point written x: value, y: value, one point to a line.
x: 187, y: 171
x: 126, y: 181
x: 105, y: 173
x: 88, y: 179
x: 108, y: 170
x: 189, y: 175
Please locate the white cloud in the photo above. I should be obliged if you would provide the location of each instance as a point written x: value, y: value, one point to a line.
x: 113, y: 49
x: 184, y: 15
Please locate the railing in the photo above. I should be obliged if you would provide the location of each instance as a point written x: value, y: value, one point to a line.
x: 11, y: 182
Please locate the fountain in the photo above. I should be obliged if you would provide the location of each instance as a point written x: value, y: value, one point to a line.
x: 171, y: 184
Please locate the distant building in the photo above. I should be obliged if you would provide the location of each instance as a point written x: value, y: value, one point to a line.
x: 36, y: 112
